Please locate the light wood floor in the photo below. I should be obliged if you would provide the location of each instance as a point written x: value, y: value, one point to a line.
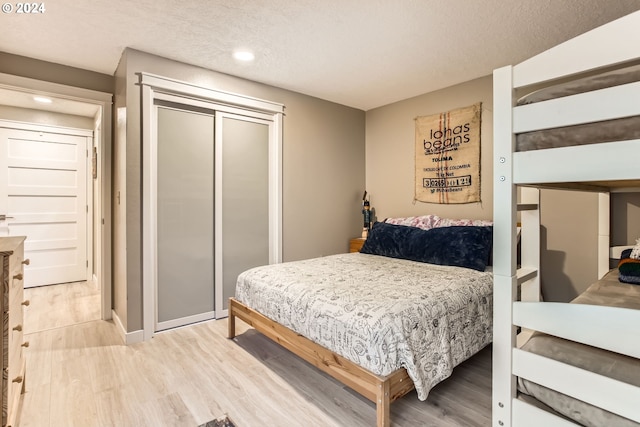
x: 81, y: 375
x: 61, y: 305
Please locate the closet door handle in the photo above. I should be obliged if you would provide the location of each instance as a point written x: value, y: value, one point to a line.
x: 17, y: 380
x: 26, y: 261
x: 18, y: 276
x: 17, y: 328
x: 25, y: 344
x: 25, y: 302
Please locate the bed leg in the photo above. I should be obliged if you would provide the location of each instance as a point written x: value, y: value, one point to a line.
x: 383, y: 405
x: 231, y: 322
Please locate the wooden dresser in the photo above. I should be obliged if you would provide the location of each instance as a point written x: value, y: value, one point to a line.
x: 13, y: 361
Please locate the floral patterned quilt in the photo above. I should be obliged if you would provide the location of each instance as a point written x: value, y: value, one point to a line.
x: 381, y: 313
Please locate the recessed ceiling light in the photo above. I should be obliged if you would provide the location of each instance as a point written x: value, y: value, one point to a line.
x: 42, y: 99
x: 243, y: 55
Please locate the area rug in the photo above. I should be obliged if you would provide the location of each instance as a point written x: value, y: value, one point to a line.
x: 219, y: 422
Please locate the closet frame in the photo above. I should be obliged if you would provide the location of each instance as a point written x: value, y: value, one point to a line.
x: 226, y: 104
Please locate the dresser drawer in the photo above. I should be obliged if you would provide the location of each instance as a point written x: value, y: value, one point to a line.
x: 16, y: 325
x: 16, y: 294
x: 15, y: 330
x: 16, y: 356
x: 17, y: 259
x: 16, y: 308
x: 15, y: 388
x: 12, y: 344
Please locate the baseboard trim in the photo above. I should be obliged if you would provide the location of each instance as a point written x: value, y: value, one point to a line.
x: 127, y: 337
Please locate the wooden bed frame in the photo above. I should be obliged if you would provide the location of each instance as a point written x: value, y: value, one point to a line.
x: 378, y: 389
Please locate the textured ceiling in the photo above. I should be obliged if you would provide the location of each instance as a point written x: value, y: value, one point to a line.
x: 361, y: 53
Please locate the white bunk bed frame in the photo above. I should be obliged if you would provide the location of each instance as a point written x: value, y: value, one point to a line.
x: 586, y: 167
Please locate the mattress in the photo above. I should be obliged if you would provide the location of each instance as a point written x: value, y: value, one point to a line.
x: 608, y: 291
x: 380, y: 313
x: 590, y: 133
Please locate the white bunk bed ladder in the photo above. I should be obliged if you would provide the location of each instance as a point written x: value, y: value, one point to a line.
x: 604, y: 239
x: 528, y: 274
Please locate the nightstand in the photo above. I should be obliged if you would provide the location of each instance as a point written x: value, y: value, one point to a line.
x: 355, y: 244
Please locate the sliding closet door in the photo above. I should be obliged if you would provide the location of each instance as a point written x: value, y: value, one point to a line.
x: 211, y: 181
x: 185, y: 217
x: 243, y: 183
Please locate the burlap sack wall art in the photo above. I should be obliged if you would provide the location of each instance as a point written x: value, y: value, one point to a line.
x: 447, y: 163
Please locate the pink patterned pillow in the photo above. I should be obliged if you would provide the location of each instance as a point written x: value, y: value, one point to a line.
x: 427, y: 222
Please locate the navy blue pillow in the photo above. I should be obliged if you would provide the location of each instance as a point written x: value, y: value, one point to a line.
x: 464, y: 246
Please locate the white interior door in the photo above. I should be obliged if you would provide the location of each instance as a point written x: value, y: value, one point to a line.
x: 43, y: 193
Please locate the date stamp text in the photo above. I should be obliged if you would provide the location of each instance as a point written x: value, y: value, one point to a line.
x: 23, y: 8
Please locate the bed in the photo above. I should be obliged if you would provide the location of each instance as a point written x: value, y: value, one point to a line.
x: 610, y: 292
x: 399, y: 315
x: 579, y: 130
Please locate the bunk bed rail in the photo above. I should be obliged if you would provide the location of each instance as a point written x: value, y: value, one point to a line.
x: 525, y: 415
x: 586, y: 324
x: 610, y: 44
x: 581, y: 163
x: 621, y: 398
x: 598, y: 105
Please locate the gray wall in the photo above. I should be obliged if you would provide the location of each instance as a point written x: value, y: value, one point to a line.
x: 570, y: 234
x: 119, y: 201
x: 56, y: 73
x: 568, y: 243
x: 390, y: 152
x: 569, y: 219
x: 323, y: 171
x: 626, y: 217
x: 48, y: 118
